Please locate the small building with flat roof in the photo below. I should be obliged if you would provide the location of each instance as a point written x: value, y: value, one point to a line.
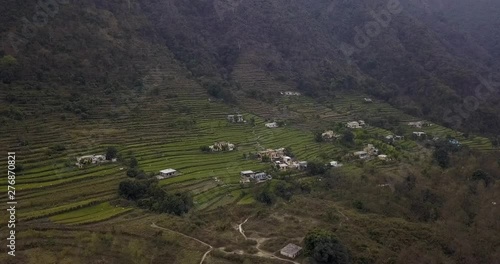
x: 167, y: 173
x: 291, y: 251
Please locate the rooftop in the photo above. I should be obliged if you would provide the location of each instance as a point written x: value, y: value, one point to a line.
x: 291, y: 249
x: 168, y: 171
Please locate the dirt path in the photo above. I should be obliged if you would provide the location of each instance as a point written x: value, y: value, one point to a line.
x: 153, y: 225
x: 262, y: 253
x: 240, y: 228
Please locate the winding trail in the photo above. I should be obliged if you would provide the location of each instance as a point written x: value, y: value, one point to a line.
x: 240, y: 228
x: 262, y: 252
x: 153, y: 225
x: 346, y: 218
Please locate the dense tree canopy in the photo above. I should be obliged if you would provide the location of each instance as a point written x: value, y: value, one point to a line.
x: 325, y: 248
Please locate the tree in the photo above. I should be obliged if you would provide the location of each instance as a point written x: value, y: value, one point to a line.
x: 265, y: 196
x: 111, y: 153
x: 480, y: 175
x: 284, y: 190
x: 205, y: 149
x: 133, y: 162
x: 324, y: 247
x: 318, y: 137
x: 442, y: 158
x: 288, y: 152
x: 316, y: 167
x: 348, y: 137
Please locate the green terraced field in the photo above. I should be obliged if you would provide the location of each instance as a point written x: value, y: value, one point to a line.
x: 91, y: 214
x: 52, y: 186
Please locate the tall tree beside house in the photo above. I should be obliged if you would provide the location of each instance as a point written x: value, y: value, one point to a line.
x: 324, y: 247
x: 442, y: 157
x: 111, y: 153
x: 348, y: 137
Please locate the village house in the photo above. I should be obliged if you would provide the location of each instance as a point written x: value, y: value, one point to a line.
x: 291, y: 251
x: 282, y: 166
x: 454, y: 142
x: 356, y: 124
x: 235, y: 118
x: 302, y: 165
x: 273, y: 154
x: 361, y: 154
x: 90, y: 159
x: 330, y: 135
x: 383, y: 157
x: 286, y: 159
x: 290, y: 93
x: 222, y: 146
x: 335, y: 164
x: 272, y: 125
x: 262, y: 176
x: 368, y: 100
x: 419, y: 134
x: 371, y: 150
x: 418, y: 124
x: 248, y: 175
x: 167, y: 173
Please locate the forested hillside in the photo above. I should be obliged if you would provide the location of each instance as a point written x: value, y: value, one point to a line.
x: 422, y: 59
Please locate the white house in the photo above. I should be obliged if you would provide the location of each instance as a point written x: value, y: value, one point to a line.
x: 286, y: 159
x: 329, y: 135
x: 382, y: 157
x: 262, y: 176
x: 90, y: 159
x: 371, y: 150
x: 302, y: 165
x: 272, y: 125
x: 167, y: 173
x: 291, y: 251
x: 417, y: 124
x: 290, y: 93
x: 368, y: 100
x: 335, y: 164
x: 353, y: 125
x: 419, y: 134
x: 247, y: 173
x: 361, y: 154
x: 282, y: 166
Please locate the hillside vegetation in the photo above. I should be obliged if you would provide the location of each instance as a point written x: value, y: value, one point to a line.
x: 155, y: 81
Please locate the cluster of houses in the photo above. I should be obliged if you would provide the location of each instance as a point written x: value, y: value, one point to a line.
x: 91, y: 159
x: 418, y: 124
x: 248, y: 175
x: 368, y: 152
x: 222, y: 146
x: 235, y: 118
x: 329, y: 135
x: 280, y: 160
x: 167, y: 173
x: 393, y: 138
x: 290, y: 93
x: 356, y: 124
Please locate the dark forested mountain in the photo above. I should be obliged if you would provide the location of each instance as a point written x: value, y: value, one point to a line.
x: 425, y: 57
